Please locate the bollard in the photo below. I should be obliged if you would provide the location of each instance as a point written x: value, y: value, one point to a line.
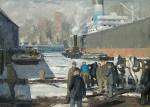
x: 42, y: 74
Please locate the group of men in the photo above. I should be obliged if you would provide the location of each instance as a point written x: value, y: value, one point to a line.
x: 80, y: 79
x: 105, y: 75
x: 76, y: 89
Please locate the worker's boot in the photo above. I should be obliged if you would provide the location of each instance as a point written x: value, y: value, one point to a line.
x: 67, y: 99
x: 148, y: 99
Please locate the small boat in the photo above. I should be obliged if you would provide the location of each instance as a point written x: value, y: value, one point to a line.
x: 27, y: 58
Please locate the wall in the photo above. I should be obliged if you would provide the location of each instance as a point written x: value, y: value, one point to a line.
x: 8, y: 33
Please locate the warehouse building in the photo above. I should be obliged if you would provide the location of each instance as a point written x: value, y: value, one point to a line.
x: 8, y: 32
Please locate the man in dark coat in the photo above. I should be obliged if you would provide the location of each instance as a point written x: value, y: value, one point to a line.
x: 92, y: 73
x: 77, y: 89
x: 145, y: 81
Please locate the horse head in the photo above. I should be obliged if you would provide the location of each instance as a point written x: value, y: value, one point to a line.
x: 135, y: 63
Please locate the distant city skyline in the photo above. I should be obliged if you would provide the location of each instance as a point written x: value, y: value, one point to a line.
x: 28, y: 13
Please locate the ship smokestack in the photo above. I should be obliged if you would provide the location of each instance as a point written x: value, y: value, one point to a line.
x: 98, y: 6
x: 75, y: 40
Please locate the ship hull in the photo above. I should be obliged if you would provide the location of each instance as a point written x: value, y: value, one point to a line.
x: 132, y: 39
x: 125, y: 52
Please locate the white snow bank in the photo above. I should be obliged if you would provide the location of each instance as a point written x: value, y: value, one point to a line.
x: 46, y: 90
x: 61, y: 105
x: 132, y: 94
x: 60, y: 65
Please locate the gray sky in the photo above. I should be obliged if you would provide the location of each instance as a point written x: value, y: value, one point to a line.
x: 22, y: 10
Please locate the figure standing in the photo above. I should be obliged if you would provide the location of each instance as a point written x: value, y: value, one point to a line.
x: 111, y: 79
x: 77, y: 89
x: 85, y: 73
x: 145, y: 81
x: 101, y: 76
x: 92, y: 73
x: 70, y: 76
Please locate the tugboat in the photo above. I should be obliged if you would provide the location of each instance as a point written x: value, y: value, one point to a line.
x: 73, y: 52
x: 30, y: 56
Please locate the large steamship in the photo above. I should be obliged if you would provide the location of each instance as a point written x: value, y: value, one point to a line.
x: 116, y: 35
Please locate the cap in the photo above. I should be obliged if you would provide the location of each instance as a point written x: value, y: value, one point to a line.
x: 73, y: 63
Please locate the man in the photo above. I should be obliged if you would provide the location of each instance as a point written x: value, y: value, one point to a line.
x: 101, y: 76
x: 145, y: 81
x: 77, y: 89
x: 111, y: 78
x: 92, y: 73
x: 70, y: 76
x: 85, y: 73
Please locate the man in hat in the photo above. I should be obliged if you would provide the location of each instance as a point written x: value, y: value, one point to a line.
x: 70, y: 76
x: 77, y: 89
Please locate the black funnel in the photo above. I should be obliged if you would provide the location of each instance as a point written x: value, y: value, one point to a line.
x: 75, y: 40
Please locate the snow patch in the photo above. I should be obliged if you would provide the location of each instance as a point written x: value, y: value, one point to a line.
x: 46, y: 90
x: 132, y: 94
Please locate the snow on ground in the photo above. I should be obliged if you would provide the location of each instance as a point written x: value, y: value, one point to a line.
x: 50, y: 90
x: 132, y: 94
x: 55, y: 65
x: 61, y: 105
x: 46, y: 90
x: 60, y: 64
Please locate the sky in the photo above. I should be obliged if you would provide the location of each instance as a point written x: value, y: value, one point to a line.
x: 75, y: 12
x: 21, y: 10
